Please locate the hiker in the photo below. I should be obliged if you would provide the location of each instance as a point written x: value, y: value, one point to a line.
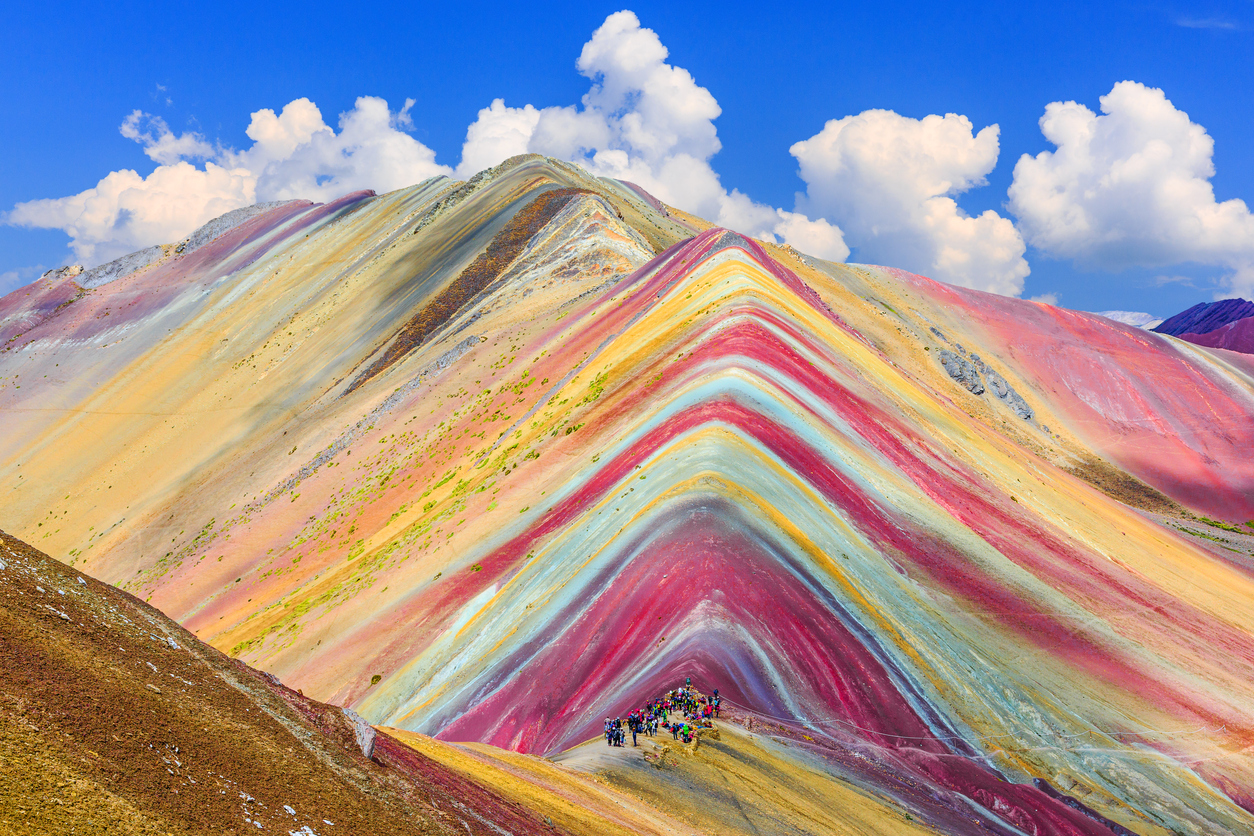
x: 696, y: 711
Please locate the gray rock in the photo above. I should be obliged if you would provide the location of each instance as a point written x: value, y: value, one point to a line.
x: 1002, y: 389
x: 962, y: 371
x: 124, y: 266
x: 998, y: 383
x: 939, y: 334
x: 63, y: 272
x: 223, y: 224
x: 1020, y: 406
x: 363, y: 731
x: 127, y: 264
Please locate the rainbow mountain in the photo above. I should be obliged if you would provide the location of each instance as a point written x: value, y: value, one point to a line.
x: 490, y: 461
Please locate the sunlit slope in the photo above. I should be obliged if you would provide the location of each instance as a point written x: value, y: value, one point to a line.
x: 741, y: 783
x: 879, y: 510
x: 146, y: 392
x: 754, y: 494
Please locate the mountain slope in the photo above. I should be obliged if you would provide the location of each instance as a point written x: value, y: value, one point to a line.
x: 1237, y: 335
x: 113, y: 719
x: 1205, y: 317
x: 488, y: 465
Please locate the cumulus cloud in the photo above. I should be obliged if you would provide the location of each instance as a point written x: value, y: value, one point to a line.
x: 160, y: 143
x: 886, y: 182
x: 889, y: 181
x: 1130, y: 187
x: 294, y: 154
x: 126, y: 212
x: 499, y: 133
x: 648, y: 122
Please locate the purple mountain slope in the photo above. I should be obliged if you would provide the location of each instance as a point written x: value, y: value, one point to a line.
x: 1235, y: 336
x: 1205, y: 317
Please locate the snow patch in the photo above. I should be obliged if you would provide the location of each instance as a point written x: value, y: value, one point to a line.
x: 1136, y: 319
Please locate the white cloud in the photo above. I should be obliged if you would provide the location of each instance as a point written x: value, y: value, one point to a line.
x: 499, y: 133
x: 1045, y: 298
x: 126, y: 212
x: 1207, y: 23
x: 1130, y: 187
x: 888, y: 180
x: 646, y: 121
x: 160, y: 143
x: 294, y: 155
x: 818, y: 238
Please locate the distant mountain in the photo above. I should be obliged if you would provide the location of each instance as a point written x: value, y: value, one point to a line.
x: 1205, y: 317
x: 1235, y: 336
x: 1136, y: 319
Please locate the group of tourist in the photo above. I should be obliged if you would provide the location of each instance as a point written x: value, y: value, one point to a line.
x: 691, y: 709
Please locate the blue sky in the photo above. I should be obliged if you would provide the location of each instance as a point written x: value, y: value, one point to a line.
x: 74, y: 72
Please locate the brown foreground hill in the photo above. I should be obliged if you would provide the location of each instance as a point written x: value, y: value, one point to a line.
x: 114, y: 719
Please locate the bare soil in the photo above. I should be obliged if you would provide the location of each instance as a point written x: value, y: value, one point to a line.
x: 1125, y: 488
x: 113, y: 719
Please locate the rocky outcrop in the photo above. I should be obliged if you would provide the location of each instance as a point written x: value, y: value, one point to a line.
x: 1003, y: 390
x: 363, y: 732
x: 124, y: 266
x: 962, y: 371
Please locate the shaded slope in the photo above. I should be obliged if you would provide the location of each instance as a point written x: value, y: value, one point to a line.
x: 1205, y: 317
x: 475, y: 279
x: 1148, y: 406
x: 115, y: 720
x: 1237, y: 335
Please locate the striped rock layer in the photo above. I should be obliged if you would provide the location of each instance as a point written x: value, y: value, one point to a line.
x: 491, y: 461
